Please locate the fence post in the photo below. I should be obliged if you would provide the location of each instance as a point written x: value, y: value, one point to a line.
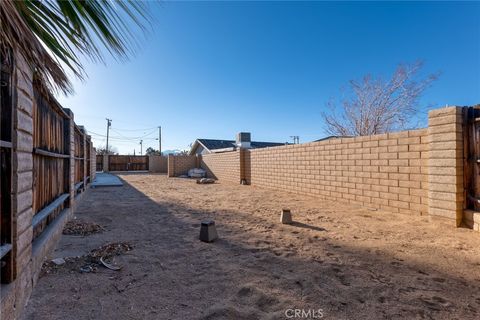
x: 70, y: 132
x: 151, y: 165
x: 242, y: 165
x: 19, y: 266
x: 445, y: 164
x: 93, y: 162
x: 171, y: 165
x: 88, y: 157
x: 84, y: 158
x: 105, y: 163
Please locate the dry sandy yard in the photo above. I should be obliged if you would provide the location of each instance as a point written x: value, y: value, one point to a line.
x: 351, y: 262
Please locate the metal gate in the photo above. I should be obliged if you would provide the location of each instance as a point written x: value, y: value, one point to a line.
x: 127, y: 163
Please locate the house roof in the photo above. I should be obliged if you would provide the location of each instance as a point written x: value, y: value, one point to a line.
x: 216, y: 144
x: 332, y: 137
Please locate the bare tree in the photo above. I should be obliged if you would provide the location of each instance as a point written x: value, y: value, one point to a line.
x: 103, y: 150
x: 183, y: 153
x: 152, y: 152
x: 375, y: 106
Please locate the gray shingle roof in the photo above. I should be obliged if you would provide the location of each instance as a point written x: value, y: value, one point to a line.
x: 214, y: 144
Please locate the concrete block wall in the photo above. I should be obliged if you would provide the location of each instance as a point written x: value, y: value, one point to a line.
x: 223, y: 166
x: 158, y: 164
x: 387, y: 171
x: 105, y: 163
x: 417, y: 171
x: 180, y: 164
x: 446, y: 192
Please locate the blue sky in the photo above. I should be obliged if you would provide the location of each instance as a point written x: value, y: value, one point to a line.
x: 212, y: 69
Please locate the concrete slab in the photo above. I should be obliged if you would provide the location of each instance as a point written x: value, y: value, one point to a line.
x: 104, y: 179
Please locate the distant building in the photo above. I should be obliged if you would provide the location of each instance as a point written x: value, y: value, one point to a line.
x: 332, y: 137
x: 204, y: 146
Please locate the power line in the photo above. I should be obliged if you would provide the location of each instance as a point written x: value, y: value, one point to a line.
x: 124, y: 138
x: 121, y: 139
x: 135, y: 138
x: 146, y: 129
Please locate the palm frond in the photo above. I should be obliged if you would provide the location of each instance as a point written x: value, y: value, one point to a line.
x: 51, y: 32
x: 16, y: 34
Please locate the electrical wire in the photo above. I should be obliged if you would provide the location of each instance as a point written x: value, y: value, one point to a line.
x: 146, y: 129
x: 132, y: 138
x: 121, y: 137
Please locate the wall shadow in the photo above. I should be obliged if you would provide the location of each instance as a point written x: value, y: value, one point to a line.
x: 307, y: 226
x: 209, y: 172
x: 256, y: 270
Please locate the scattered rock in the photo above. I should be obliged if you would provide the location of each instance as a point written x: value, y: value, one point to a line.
x: 58, y: 261
x: 88, y: 268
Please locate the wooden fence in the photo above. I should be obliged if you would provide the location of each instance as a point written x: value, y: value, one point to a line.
x: 99, y: 158
x: 42, y: 154
x: 127, y: 163
x: 52, y: 159
x: 79, y: 155
x: 88, y: 157
x: 6, y: 121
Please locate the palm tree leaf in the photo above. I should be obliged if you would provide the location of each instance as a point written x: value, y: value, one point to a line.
x: 16, y: 34
x: 51, y: 32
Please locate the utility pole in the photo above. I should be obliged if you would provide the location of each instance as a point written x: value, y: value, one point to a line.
x: 109, y: 124
x: 296, y: 139
x: 160, y: 139
x: 141, y: 145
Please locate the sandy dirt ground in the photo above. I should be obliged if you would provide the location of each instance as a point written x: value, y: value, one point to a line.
x: 350, y: 262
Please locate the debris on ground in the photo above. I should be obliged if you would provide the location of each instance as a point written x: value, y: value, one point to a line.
x: 205, y: 181
x: 196, y: 173
x: 50, y: 267
x: 88, y: 268
x: 81, y: 228
x: 102, y: 256
x: 109, y: 265
x: 58, y: 261
x: 110, y: 250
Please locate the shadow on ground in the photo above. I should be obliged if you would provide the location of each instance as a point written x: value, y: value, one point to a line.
x: 258, y: 268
